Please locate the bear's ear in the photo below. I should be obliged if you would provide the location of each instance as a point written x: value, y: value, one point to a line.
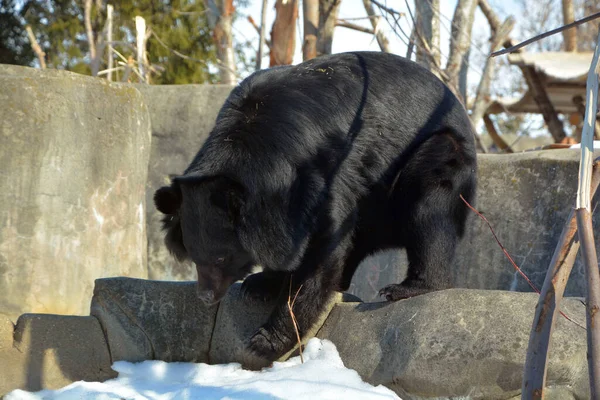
x: 228, y: 195
x: 168, y: 199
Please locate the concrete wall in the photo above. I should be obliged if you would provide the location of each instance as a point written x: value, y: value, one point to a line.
x: 527, y: 198
x: 73, y: 154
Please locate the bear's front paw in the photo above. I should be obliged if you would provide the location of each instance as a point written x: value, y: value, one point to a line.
x: 259, y: 287
x: 266, y: 345
x: 399, y: 291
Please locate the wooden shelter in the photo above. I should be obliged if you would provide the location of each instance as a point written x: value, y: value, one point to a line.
x: 556, y: 84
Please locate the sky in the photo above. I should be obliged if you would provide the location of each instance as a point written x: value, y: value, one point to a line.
x: 350, y: 40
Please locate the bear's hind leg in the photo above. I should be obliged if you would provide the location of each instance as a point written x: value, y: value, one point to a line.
x: 430, y: 253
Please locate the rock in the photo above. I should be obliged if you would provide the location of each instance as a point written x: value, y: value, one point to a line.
x: 527, y: 198
x: 181, y: 117
x: 51, y: 351
x: 238, y: 319
x: 74, y: 155
x: 152, y: 320
x: 456, y: 343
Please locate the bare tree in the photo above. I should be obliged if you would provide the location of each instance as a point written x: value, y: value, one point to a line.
x: 328, y: 11
x: 220, y: 19
x: 460, y: 43
x: 383, y: 42
x: 570, y: 35
x: 310, y: 11
x: 283, y: 32
x: 428, y: 26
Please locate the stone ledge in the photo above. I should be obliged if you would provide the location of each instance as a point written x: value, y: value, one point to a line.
x: 45, y: 351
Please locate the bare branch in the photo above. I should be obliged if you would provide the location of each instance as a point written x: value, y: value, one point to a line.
x: 261, y: 34
x: 257, y: 28
x: 36, y: 47
x: 350, y: 25
x: 109, y: 20
x: 496, y: 138
x: 490, y: 15
x: 546, y: 34
x: 383, y: 42
x: 483, y: 90
x: 89, y: 31
x: 460, y: 42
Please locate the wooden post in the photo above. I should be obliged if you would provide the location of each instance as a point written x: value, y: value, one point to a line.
x: 555, y: 125
x: 584, y: 226
x: 548, y: 306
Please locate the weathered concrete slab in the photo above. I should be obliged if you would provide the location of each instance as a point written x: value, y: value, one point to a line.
x: 527, y: 198
x: 152, y: 320
x: 74, y: 154
x: 237, y: 319
x: 456, y: 343
x: 51, y: 351
x: 181, y: 118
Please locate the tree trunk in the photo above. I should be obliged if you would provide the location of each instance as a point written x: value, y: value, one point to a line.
x: 428, y: 25
x: 310, y: 10
x: 109, y: 19
x: 283, y: 33
x: 220, y: 15
x: 328, y: 11
x: 570, y: 35
x: 460, y: 42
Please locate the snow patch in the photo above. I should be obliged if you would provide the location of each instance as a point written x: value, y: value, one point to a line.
x: 322, y: 376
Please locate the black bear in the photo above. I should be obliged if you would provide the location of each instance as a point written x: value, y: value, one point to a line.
x: 311, y: 168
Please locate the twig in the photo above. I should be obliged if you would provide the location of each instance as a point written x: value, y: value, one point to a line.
x: 516, y: 267
x: 493, y: 132
x: 290, y: 308
x: 36, y: 47
x: 546, y: 34
x: 257, y: 28
x: 356, y: 27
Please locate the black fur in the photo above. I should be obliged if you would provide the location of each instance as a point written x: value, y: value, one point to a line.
x: 311, y: 168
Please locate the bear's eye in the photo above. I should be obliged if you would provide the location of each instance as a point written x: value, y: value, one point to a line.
x: 220, y: 260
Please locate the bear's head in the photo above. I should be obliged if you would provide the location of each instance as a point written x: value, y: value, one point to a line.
x: 202, y: 217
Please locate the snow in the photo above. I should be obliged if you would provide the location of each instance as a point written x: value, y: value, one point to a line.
x: 322, y: 376
x: 578, y: 145
x: 561, y: 66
